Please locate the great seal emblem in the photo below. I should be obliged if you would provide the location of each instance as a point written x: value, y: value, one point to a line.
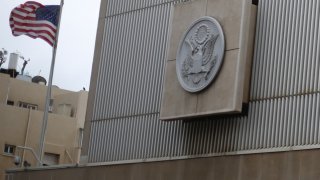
x: 200, y: 54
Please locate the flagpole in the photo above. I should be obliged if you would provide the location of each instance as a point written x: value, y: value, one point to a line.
x: 48, y: 97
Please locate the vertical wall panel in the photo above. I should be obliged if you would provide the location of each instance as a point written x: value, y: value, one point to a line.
x: 286, y: 49
x: 285, y: 90
x: 132, y: 65
x: 143, y: 137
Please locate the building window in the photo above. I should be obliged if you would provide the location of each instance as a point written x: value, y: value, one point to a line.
x: 51, y: 159
x: 51, y: 106
x: 28, y: 105
x: 9, y: 149
x: 11, y: 103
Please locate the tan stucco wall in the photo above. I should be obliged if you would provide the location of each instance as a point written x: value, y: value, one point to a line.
x: 18, y: 90
x: 31, y: 92
x: 294, y: 165
x: 4, y: 84
x: 78, y: 101
x: 63, y: 132
x: 62, y: 135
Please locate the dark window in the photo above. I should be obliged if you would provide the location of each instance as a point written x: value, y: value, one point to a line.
x: 28, y: 105
x: 11, y: 103
x: 51, y: 106
x: 9, y: 149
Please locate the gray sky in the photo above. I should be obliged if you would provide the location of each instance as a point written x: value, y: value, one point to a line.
x: 75, y: 48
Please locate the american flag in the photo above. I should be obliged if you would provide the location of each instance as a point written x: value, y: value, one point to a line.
x: 35, y: 20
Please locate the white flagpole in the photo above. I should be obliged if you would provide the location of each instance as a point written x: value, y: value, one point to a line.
x: 48, y: 97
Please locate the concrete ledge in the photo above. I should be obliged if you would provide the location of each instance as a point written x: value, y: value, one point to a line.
x: 302, y: 165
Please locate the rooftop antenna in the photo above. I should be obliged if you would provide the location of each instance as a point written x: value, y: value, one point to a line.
x: 3, y: 56
x: 24, y: 64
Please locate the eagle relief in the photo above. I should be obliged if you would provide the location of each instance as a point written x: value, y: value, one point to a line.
x: 200, y: 54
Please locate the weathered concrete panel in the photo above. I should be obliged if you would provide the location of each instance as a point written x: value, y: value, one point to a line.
x: 302, y: 165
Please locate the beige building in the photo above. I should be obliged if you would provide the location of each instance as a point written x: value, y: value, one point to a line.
x: 21, y: 115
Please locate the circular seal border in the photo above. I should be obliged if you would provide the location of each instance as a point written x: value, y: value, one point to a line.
x: 221, y: 58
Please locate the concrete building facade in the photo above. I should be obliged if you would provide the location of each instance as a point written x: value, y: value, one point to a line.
x: 21, y: 116
x: 276, y: 136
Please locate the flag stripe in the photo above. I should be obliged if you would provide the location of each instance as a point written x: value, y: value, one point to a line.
x: 23, y: 10
x: 36, y: 26
x: 35, y: 30
x: 21, y: 16
x: 33, y: 22
x: 35, y: 4
x: 35, y: 35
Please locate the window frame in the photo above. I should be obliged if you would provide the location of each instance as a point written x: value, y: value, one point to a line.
x: 9, y: 149
x: 28, y: 105
x: 10, y: 103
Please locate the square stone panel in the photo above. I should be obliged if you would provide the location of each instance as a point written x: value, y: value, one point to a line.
x: 230, y: 89
x: 176, y: 101
x: 201, y: 168
x: 183, y: 16
x: 219, y: 96
x: 274, y: 166
x: 250, y: 167
x: 293, y: 165
x: 229, y: 13
x: 248, y: 51
x: 309, y: 164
